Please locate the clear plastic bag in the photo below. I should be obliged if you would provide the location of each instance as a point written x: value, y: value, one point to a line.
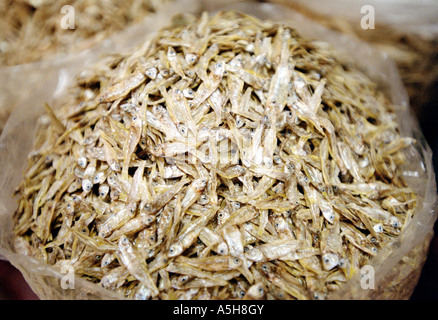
x: 47, y: 81
x: 418, y: 17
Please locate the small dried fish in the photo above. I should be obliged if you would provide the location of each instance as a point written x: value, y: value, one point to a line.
x: 132, y: 260
x: 231, y: 159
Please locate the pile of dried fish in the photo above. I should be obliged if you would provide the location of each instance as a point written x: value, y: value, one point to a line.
x: 226, y: 158
x: 32, y: 29
x: 415, y: 56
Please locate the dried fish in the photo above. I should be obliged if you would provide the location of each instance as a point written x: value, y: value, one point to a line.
x: 217, y: 165
x: 24, y: 44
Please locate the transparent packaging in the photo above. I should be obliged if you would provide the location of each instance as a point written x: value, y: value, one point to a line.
x: 417, y: 17
x: 396, y: 267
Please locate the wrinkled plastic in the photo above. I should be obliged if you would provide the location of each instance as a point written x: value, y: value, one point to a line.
x: 417, y: 17
x: 29, y: 86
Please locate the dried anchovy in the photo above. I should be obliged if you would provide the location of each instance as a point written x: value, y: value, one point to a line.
x: 227, y: 159
x: 414, y: 54
x: 33, y: 30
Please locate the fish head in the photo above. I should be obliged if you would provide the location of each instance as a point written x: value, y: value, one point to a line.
x: 82, y: 162
x: 114, y: 165
x: 87, y: 185
x: 136, y: 122
x: 200, y: 183
x: 151, y: 73
x: 330, y: 260
x: 254, y: 254
x: 395, y: 222
x: 378, y: 228
x: 191, y: 58
x: 103, y: 190
x: 234, y: 262
x: 329, y: 215
x: 182, y: 129
x: 103, y: 231
x: 148, y: 218
x: 175, y: 250
x: 222, y: 248
x: 256, y: 291
x: 223, y: 216
x: 157, y: 150
x: 124, y: 242
x: 171, y: 53
x: 148, y: 208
